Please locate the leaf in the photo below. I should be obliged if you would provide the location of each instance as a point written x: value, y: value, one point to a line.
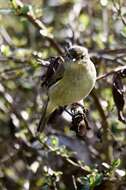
x: 16, y: 4
x: 5, y: 50
x: 92, y: 180
x: 95, y: 179
x: 84, y: 19
x: 98, y: 179
x: 116, y: 163
x: 54, y: 141
x: 25, y: 9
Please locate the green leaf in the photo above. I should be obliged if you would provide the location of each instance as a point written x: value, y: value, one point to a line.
x: 116, y: 163
x: 95, y: 179
x: 98, y: 179
x: 5, y: 50
x: 84, y: 19
x: 123, y: 32
x: 14, y: 3
x: 25, y: 9
x: 54, y: 141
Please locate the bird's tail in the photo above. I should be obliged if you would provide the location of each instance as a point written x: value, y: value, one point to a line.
x: 47, y: 109
x: 44, y: 116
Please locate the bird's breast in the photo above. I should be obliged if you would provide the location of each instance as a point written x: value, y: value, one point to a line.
x: 76, y: 84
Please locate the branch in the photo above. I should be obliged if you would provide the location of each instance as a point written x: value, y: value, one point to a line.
x: 110, y: 51
x: 111, y: 72
x: 6, y: 37
x: 73, y: 163
x: 119, y: 11
x: 107, y: 147
x: 13, y: 69
x: 23, y: 10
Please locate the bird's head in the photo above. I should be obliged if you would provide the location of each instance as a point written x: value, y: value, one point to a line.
x: 77, y: 53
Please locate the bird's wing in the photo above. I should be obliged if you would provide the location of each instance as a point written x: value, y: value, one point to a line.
x: 54, y: 72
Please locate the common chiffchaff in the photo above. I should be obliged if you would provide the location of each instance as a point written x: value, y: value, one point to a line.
x: 77, y: 81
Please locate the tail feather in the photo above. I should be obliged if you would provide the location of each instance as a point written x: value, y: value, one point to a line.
x: 44, y: 117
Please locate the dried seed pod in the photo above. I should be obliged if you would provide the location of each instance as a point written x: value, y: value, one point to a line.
x: 79, y: 120
x: 118, y: 93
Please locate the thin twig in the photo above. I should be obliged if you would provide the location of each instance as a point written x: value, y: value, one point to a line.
x: 16, y: 60
x: 73, y: 163
x: 6, y: 37
x: 111, y: 72
x: 119, y: 11
x: 111, y: 51
x: 74, y: 182
x: 14, y: 69
x: 106, y: 133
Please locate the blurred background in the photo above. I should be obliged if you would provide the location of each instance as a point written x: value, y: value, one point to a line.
x: 60, y: 158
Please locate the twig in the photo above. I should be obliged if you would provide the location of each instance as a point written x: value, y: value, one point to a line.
x: 111, y: 72
x: 14, y: 69
x: 111, y: 51
x: 73, y: 163
x: 119, y: 11
x: 107, y: 148
x: 6, y: 11
x: 6, y: 37
x: 38, y: 24
x: 74, y: 182
x: 16, y: 60
x: 100, y: 109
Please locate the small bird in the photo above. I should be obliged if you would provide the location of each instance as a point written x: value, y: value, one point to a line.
x: 72, y: 80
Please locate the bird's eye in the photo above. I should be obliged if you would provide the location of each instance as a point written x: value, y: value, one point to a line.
x: 72, y: 54
x: 82, y: 56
